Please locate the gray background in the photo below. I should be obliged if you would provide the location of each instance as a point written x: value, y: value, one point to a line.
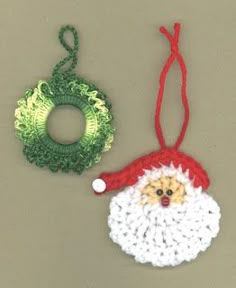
x: 53, y: 229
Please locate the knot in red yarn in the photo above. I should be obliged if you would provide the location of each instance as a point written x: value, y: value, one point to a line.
x: 174, y: 48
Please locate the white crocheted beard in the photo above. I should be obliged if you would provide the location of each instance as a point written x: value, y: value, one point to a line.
x: 163, y: 235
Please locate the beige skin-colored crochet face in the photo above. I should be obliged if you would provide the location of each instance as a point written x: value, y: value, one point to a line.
x: 168, y: 187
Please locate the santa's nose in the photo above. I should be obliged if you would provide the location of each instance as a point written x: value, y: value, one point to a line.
x: 165, y: 201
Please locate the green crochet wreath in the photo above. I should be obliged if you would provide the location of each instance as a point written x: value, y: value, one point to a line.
x: 64, y: 88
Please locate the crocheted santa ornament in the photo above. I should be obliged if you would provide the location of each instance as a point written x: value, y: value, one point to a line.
x: 164, y: 216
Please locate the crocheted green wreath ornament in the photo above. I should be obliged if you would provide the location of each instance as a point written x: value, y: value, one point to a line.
x: 64, y: 88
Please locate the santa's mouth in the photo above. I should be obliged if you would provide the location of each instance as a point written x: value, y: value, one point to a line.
x: 165, y: 201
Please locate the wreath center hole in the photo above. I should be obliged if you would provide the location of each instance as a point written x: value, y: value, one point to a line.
x: 66, y: 124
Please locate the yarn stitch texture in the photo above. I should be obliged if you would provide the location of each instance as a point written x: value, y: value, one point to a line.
x: 164, y: 216
x: 64, y: 88
x: 159, y: 235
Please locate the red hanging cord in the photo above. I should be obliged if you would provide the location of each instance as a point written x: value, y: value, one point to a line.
x: 175, y: 55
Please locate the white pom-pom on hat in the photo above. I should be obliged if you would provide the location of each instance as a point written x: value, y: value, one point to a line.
x: 99, y: 186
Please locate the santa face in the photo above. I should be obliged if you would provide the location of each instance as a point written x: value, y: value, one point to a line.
x: 163, y: 219
x: 165, y: 190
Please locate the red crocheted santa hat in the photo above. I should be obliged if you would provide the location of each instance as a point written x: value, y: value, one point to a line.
x: 128, y: 176
x: 166, y: 156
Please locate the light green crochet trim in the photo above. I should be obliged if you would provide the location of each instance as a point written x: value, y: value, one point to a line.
x: 31, y: 114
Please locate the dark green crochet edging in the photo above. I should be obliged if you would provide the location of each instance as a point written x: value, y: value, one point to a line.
x: 64, y: 88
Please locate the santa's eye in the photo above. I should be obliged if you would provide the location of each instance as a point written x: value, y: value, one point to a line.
x: 169, y: 192
x: 159, y: 192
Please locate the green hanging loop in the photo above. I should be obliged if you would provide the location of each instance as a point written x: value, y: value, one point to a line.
x: 72, y: 51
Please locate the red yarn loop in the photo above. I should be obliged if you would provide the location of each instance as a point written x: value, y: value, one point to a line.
x: 175, y: 55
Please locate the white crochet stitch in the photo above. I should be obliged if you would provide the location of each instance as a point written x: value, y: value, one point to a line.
x: 163, y: 236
